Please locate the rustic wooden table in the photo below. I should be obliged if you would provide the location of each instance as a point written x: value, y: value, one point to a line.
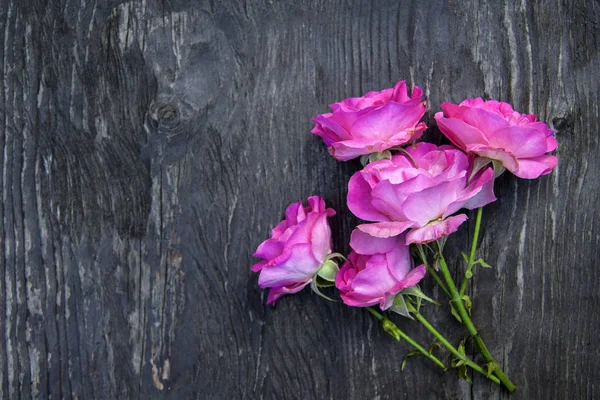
x: 149, y: 146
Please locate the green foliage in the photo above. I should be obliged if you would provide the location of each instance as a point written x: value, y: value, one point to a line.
x: 418, y: 295
x: 392, y: 329
x: 462, y: 373
x: 328, y: 270
x: 406, y: 357
x: 314, y: 285
x: 468, y: 304
x: 490, y: 367
x: 460, y: 363
x: 401, y: 306
x: 454, y: 311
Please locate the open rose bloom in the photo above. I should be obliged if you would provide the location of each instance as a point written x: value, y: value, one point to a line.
x: 298, y: 247
x: 372, y: 123
x: 492, y: 129
x: 376, y: 270
x: 418, y: 191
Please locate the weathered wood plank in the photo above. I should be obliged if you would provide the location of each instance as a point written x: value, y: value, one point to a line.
x: 148, y: 147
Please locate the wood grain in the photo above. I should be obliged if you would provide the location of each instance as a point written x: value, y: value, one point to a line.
x: 148, y: 147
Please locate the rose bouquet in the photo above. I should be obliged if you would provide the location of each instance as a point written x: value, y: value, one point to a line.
x: 410, y: 196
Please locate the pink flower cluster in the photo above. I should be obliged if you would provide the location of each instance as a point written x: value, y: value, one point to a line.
x: 413, y: 196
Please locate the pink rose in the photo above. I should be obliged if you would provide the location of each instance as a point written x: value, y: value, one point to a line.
x: 419, y: 190
x: 492, y: 129
x: 376, y: 271
x: 372, y: 123
x: 298, y: 247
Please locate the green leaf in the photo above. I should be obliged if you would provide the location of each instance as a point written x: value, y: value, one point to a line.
x: 364, y: 160
x: 465, y: 256
x: 403, y: 363
x: 461, y: 347
x: 430, y: 248
x: 392, y: 329
x: 414, y: 251
x: 462, y: 373
x: 482, y: 263
x: 416, y: 292
x: 339, y: 256
x: 434, y: 346
x: 323, y: 283
x: 441, y: 242
x: 369, y: 158
x: 478, y: 164
x: 315, y: 288
x: 498, y: 168
x: 457, y: 362
x: 328, y: 270
x: 409, y: 355
x: 468, y: 274
x: 401, y: 307
x: 384, y: 155
x: 460, y: 363
x: 454, y: 312
x: 468, y: 303
x: 490, y: 367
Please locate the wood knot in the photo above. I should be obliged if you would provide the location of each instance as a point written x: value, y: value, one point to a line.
x: 168, y: 116
x: 564, y: 125
x: 164, y: 117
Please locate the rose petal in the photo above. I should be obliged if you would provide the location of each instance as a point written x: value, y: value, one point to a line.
x: 276, y: 293
x: 479, y: 193
x: 374, y: 280
x: 508, y: 160
x: 279, y: 229
x: 532, y: 168
x: 259, y: 265
x: 385, y: 229
x: 459, y: 132
x: 332, y: 128
x: 346, y: 274
x: 291, y: 213
x: 269, y: 249
x: 321, y: 238
x: 522, y: 142
x: 360, y: 199
x: 298, y: 267
x: 432, y: 232
x: 385, y: 122
x: 356, y: 300
x: 349, y: 149
x: 401, y: 92
x: 411, y: 279
x: 431, y: 203
x: 363, y: 243
x: 551, y: 143
x: 483, y: 120
x: 399, y: 260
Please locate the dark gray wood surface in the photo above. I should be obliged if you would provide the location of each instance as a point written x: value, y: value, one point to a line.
x: 148, y: 147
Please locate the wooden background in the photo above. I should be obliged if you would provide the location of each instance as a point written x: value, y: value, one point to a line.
x: 148, y: 147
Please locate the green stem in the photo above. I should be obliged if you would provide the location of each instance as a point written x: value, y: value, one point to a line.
x: 452, y: 349
x: 463, y: 287
x: 431, y: 271
x: 397, y: 334
x: 457, y: 302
